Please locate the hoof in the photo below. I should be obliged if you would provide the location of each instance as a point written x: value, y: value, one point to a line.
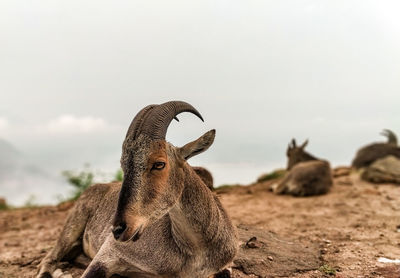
x: 45, y: 275
x: 59, y: 274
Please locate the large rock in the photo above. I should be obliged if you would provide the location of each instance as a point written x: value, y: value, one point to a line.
x: 384, y: 170
x: 265, y: 254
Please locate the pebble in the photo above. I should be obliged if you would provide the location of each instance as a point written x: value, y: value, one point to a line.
x: 270, y: 258
x: 253, y: 243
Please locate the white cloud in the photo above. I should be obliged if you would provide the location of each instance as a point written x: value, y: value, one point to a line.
x: 73, y: 124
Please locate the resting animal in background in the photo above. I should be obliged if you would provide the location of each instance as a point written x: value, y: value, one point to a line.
x: 370, y: 153
x: 205, y: 175
x: 162, y: 222
x: 306, y: 176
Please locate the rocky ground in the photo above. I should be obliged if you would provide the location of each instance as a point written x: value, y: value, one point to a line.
x: 341, y: 234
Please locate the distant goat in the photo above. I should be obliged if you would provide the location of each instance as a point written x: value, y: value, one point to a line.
x: 162, y: 222
x: 205, y: 175
x: 307, y: 175
x: 370, y: 153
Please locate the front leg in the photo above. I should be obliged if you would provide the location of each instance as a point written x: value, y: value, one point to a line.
x: 279, y: 188
x: 113, y: 260
x: 96, y: 269
x: 68, y: 244
x: 105, y: 263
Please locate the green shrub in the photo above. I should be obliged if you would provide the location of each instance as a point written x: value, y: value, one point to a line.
x: 119, y: 175
x: 80, y: 180
x: 83, y: 179
x: 3, y: 205
x: 276, y: 174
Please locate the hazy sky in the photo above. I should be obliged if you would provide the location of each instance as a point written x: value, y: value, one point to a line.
x: 73, y: 74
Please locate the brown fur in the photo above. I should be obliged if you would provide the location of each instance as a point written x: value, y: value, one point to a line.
x: 297, y: 154
x: 205, y: 176
x: 178, y: 226
x: 307, y: 174
x: 370, y: 153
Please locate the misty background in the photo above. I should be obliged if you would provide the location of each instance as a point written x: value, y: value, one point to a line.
x: 73, y: 74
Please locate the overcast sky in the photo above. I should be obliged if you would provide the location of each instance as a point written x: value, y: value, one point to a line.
x: 73, y: 74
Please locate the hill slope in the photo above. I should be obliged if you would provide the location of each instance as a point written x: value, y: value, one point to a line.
x: 351, y: 227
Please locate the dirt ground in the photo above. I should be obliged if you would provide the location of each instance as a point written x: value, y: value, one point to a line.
x: 350, y: 229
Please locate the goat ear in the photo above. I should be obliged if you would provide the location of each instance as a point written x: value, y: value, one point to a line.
x: 197, y: 146
x: 293, y: 143
x: 304, y: 144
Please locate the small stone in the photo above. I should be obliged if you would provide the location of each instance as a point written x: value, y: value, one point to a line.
x: 253, y: 243
x: 324, y: 251
x: 270, y: 258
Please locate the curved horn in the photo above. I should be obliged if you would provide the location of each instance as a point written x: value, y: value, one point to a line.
x: 157, y: 120
x: 392, y: 139
x: 293, y: 143
x: 138, y: 120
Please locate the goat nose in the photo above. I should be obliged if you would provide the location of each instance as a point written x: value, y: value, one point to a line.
x: 118, y: 230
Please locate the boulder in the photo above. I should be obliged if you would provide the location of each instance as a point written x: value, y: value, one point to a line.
x: 384, y: 170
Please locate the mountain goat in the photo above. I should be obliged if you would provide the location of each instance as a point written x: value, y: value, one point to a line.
x: 205, y: 176
x: 372, y: 152
x: 162, y: 221
x: 307, y: 175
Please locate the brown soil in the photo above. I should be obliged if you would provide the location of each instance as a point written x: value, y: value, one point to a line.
x: 346, y: 230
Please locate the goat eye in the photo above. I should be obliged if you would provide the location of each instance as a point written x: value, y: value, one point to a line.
x: 158, y: 165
